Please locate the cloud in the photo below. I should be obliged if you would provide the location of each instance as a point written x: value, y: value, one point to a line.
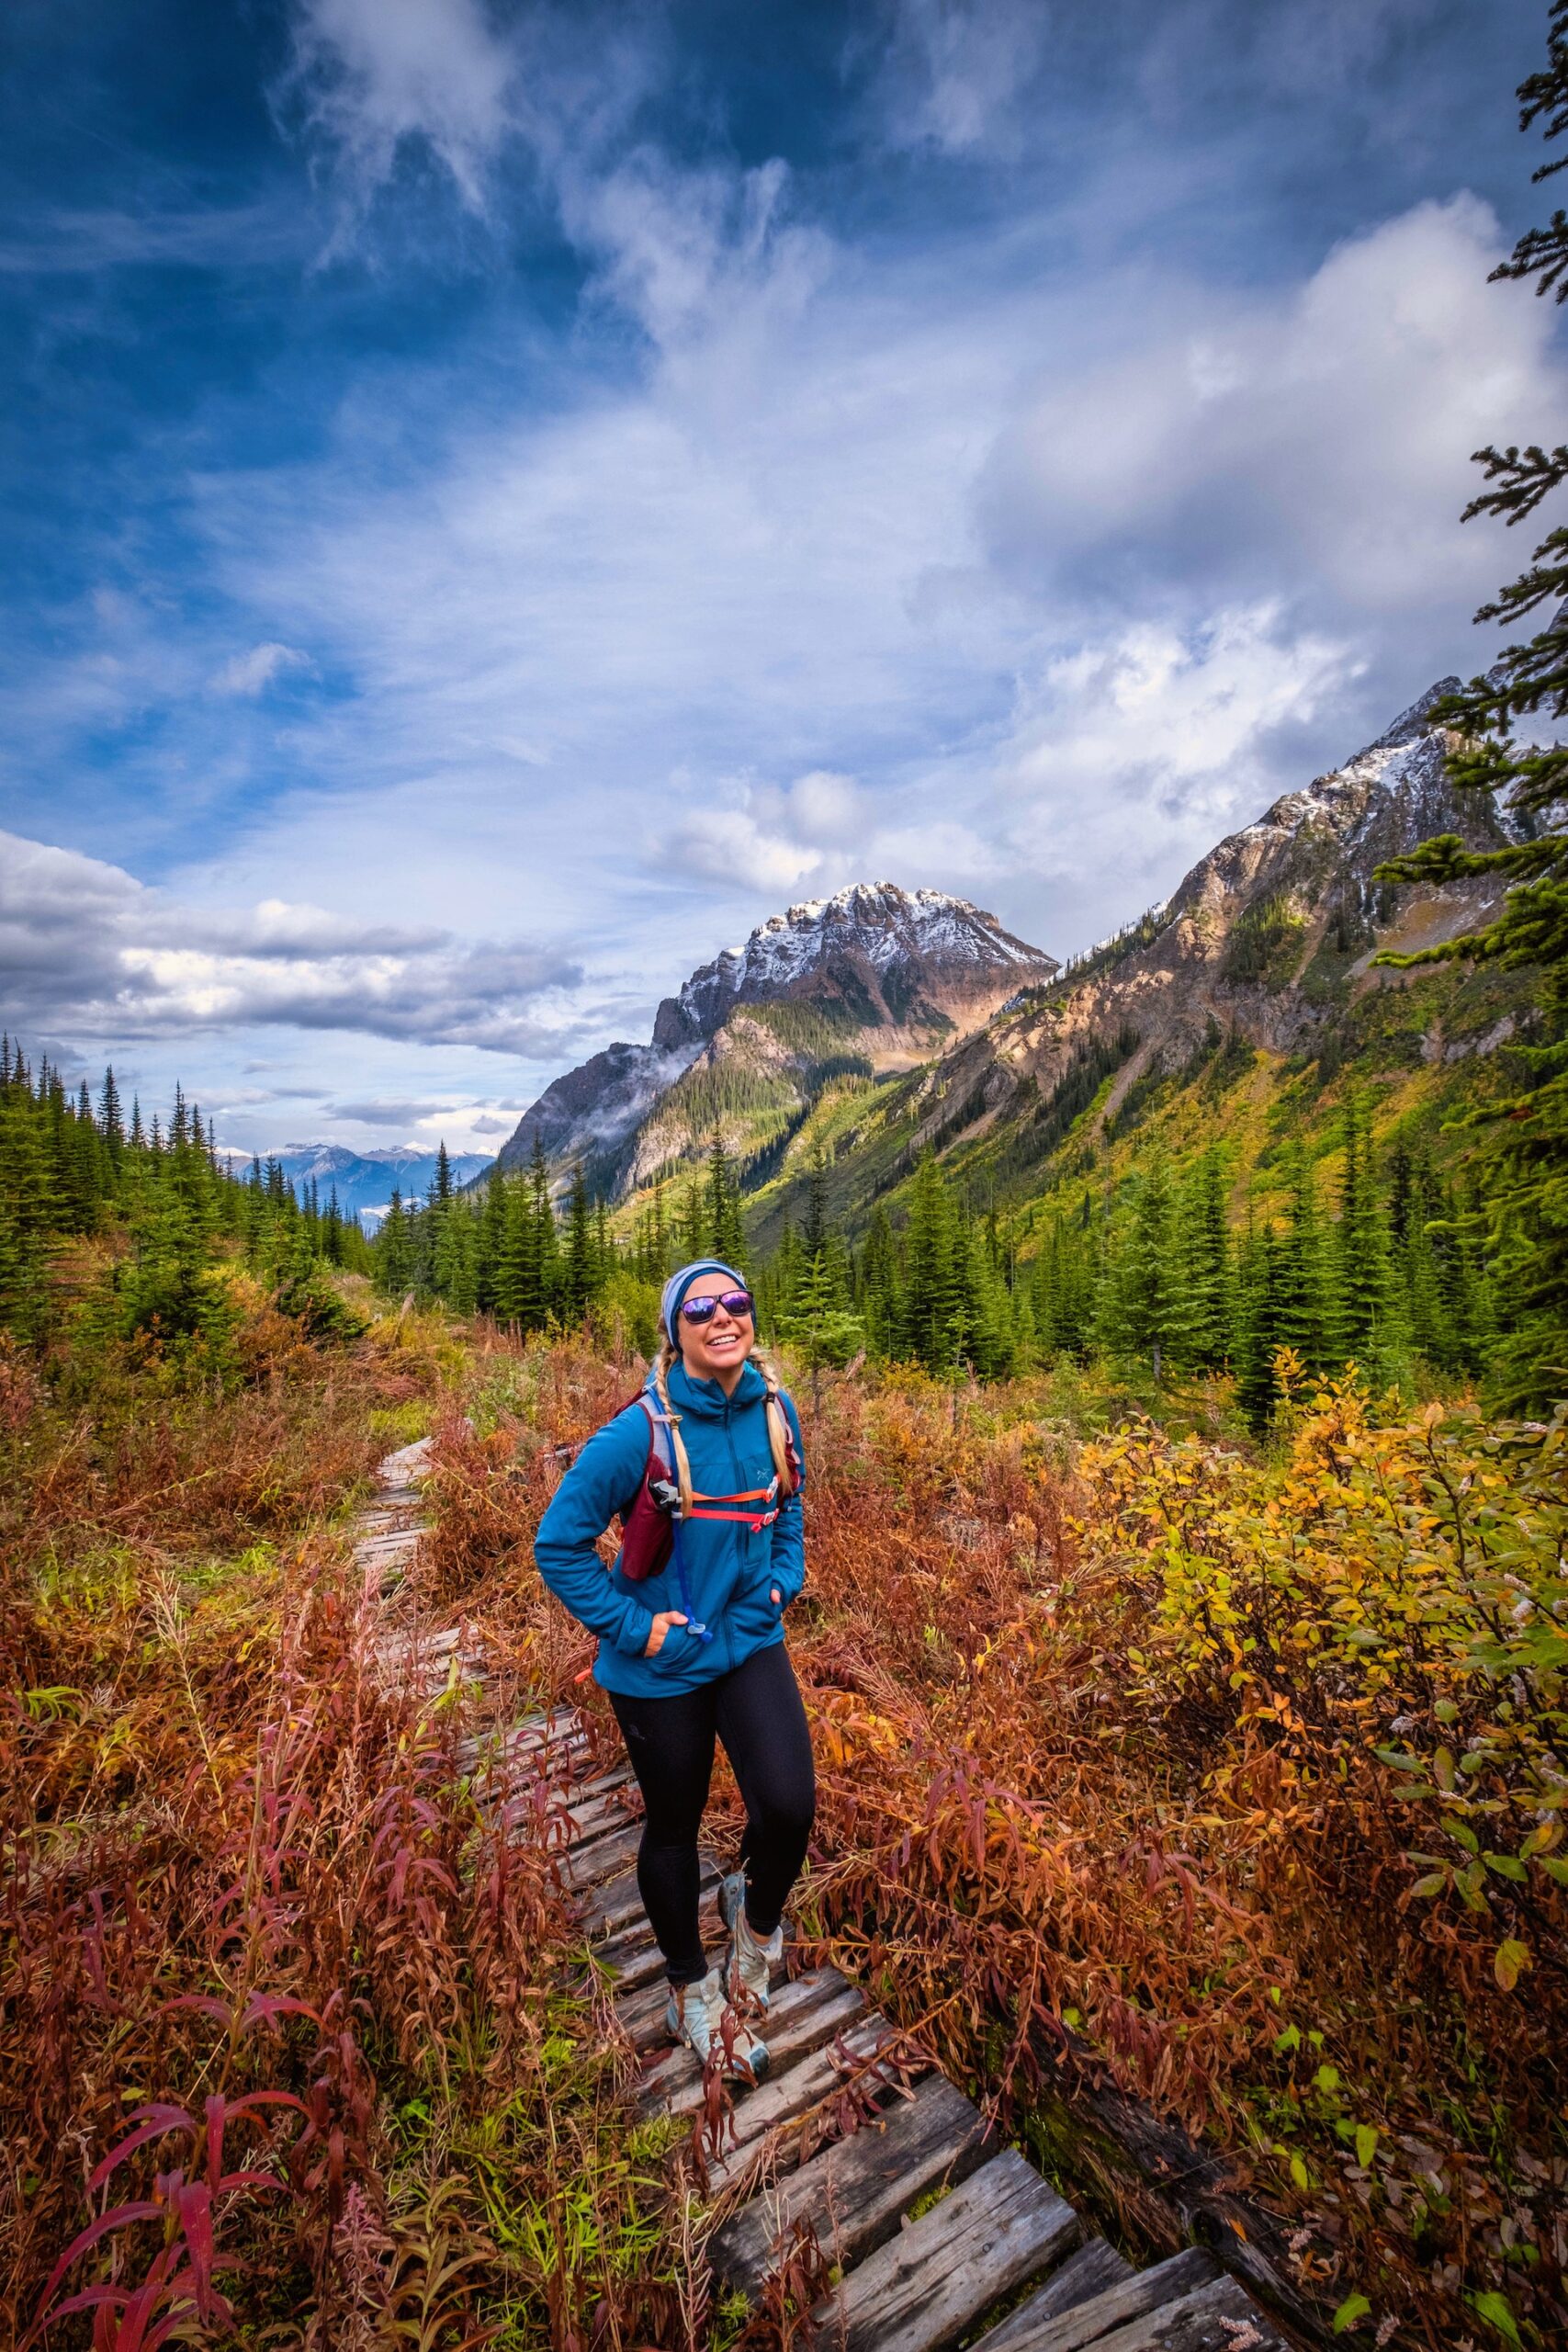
x: 85, y: 947
x: 486, y: 1126
x: 369, y: 78
x: 379, y: 1112
x: 1160, y: 741
x: 251, y: 674
x: 1317, y: 435
x: 954, y: 72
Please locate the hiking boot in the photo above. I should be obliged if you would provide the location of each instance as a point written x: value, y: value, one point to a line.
x: 699, y: 2016
x: 751, y: 1958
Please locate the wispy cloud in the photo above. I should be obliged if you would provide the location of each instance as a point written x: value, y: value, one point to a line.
x: 252, y: 672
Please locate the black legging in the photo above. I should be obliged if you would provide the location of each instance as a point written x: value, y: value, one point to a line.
x: 756, y: 1710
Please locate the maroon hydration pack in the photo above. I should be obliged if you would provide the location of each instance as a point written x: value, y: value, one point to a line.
x: 647, y: 1532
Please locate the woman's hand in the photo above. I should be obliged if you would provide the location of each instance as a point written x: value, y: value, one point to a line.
x: 776, y: 1596
x: 659, y: 1629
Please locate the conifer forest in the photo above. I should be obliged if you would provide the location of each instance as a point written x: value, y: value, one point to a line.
x: 1184, y: 1637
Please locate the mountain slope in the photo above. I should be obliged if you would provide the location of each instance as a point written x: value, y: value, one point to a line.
x: 1264, y: 949
x: 871, y: 979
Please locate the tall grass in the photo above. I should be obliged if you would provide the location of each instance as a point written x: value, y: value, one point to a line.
x: 298, y: 2043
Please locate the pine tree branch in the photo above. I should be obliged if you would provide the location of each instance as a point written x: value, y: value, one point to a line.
x: 1529, y: 475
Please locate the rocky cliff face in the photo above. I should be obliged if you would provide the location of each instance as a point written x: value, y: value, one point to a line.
x: 1270, y: 936
x: 873, y: 976
x: 1269, y: 940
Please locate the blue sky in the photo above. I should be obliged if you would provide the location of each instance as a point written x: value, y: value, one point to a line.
x: 498, y: 500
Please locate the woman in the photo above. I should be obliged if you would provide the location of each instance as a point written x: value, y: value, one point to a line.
x: 695, y: 1652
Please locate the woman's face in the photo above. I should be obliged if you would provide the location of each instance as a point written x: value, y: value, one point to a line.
x: 715, y: 1351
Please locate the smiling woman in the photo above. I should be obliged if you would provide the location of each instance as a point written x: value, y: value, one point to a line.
x: 693, y: 1651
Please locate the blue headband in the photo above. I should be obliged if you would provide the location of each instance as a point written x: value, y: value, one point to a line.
x: 681, y: 1282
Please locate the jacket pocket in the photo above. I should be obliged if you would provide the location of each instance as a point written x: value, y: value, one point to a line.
x: 677, y: 1649
x: 753, y: 1614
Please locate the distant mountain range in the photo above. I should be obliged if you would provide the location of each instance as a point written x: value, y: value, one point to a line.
x: 363, y: 1180
x: 863, y: 1029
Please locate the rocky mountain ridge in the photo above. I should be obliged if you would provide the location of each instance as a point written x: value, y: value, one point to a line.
x: 1267, y: 942
x: 878, y: 1023
x: 873, y: 975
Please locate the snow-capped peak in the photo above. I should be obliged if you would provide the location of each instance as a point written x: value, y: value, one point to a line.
x: 928, y: 932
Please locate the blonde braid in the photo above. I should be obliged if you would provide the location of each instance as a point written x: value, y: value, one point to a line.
x: 778, y: 1423
x: 668, y: 1354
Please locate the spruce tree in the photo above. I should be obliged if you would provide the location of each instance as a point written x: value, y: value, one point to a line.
x: 1257, y: 1328
x: 546, y: 1276
x: 726, y: 1238
x: 1303, y: 1300
x: 1145, y: 1310
x: 580, y: 1268
x: 394, y: 1258
x: 1366, y: 1331
x: 1526, y: 1137
x: 1207, y: 1272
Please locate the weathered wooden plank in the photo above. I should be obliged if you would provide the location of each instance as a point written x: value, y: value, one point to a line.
x: 1094, y: 2270
x: 1221, y: 2317
x: 523, y: 1746
x: 409, y: 1464
x: 589, y: 1862
x: 928, y: 2284
x: 604, y: 1803
x: 854, y: 2192
x: 805, y: 2015
x: 1128, y: 2301
x: 608, y: 1909
x: 784, y: 2098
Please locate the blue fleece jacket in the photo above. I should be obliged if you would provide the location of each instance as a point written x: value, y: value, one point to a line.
x: 731, y: 1573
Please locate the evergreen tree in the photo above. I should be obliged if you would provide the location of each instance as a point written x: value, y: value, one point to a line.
x: 1206, y: 1271
x: 1145, y: 1310
x: 580, y: 1268
x: 394, y: 1254
x: 1302, y: 1302
x: 936, y: 1321
x: 878, y: 1283
x: 1257, y: 1327
x: 492, y: 1228
x: 1368, y: 1326
x: 726, y: 1238
x: 1526, y: 1137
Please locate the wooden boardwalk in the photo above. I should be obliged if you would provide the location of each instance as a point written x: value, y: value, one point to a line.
x: 932, y: 2226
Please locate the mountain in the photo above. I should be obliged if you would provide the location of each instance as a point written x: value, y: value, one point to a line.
x: 1258, y: 968
x: 364, y: 1181
x: 873, y: 979
x: 853, y: 1033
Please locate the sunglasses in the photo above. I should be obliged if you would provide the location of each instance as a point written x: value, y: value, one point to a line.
x: 737, y: 1303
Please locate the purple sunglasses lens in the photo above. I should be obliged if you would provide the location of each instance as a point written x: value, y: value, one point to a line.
x: 735, y: 1303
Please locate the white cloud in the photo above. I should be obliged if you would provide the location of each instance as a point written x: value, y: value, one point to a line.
x: 954, y: 72
x: 1314, y: 440
x: 251, y: 674
x: 369, y: 76
x: 1159, y: 742
x: 85, y: 948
